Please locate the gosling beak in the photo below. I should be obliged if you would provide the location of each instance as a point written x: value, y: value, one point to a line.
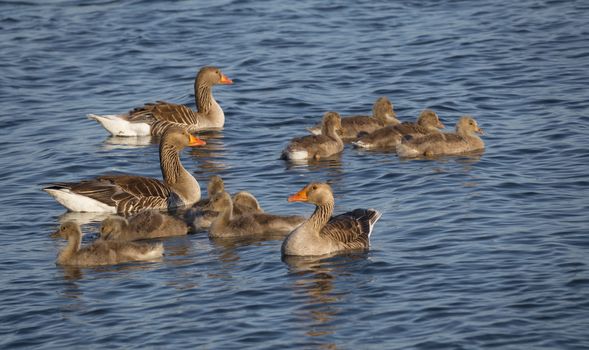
x: 225, y: 80
x: 480, y: 131
x: 441, y: 125
x: 55, y: 234
x: 195, y: 141
x: 300, y: 196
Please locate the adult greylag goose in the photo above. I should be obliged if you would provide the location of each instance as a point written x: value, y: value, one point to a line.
x: 101, y: 252
x: 382, y: 115
x: 143, y: 225
x: 317, y: 146
x: 243, y: 203
x: 323, y: 234
x: 389, y: 137
x: 249, y: 224
x: 129, y: 193
x: 463, y: 140
x: 155, y: 118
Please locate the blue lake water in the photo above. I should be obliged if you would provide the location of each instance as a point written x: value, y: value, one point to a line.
x: 475, y: 252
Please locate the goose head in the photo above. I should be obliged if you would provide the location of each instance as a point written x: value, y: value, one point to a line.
x: 429, y: 119
x: 383, y: 109
x: 467, y: 125
x: 67, y: 230
x: 316, y: 193
x: 210, y: 76
x: 178, y: 138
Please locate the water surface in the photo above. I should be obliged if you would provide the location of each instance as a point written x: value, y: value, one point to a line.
x: 475, y: 252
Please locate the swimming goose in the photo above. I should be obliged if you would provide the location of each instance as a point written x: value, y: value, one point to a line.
x: 143, y: 225
x: 243, y: 203
x: 317, y: 146
x: 382, y: 115
x: 389, y: 137
x: 129, y: 193
x: 462, y: 141
x: 323, y: 234
x: 249, y: 224
x: 155, y: 118
x: 101, y: 252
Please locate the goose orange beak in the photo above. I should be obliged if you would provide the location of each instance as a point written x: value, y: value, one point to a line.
x: 300, y: 196
x: 225, y: 79
x: 195, y: 141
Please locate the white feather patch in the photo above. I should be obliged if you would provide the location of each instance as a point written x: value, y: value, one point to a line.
x: 79, y: 203
x: 118, y: 126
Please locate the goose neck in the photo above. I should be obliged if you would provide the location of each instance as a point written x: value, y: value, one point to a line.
x: 203, y: 96
x: 320, y: 216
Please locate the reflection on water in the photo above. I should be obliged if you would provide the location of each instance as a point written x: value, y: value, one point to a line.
x: 72, y: 273
x: 467, y: 158
x: 210, y: 157
x: 314, y: 278
x: 117, y: 142
x: 328, y: 169
x: 82, y: 218
x: 228, y: 246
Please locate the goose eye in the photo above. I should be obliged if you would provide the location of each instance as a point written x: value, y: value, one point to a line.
x: 314, y: 187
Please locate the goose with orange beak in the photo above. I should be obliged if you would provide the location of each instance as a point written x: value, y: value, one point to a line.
x: 155, y: 118
x: 323, y: 233
x: 131, y: 193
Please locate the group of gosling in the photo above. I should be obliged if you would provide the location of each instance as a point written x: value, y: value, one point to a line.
x: 240, y: 215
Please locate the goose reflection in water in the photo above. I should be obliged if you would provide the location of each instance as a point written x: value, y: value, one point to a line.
x: 118, y: 142
x: 332, y: 164
x: 314, y: 278
x: 210, y: 156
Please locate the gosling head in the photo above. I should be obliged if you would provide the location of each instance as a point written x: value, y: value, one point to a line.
x: 429, y: 119
x: 468, y: 125
x: 222, y: 201
x: 383, y: 109
x: 246, y: 202
x: 316, y: 193
x: 215, y: 185
x: 111, y: 226
x: 67, y: 230
x: 331, y: 121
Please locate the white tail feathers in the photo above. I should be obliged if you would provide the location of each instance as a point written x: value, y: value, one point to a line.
x: 117, y: 125
x: 79, y: 203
